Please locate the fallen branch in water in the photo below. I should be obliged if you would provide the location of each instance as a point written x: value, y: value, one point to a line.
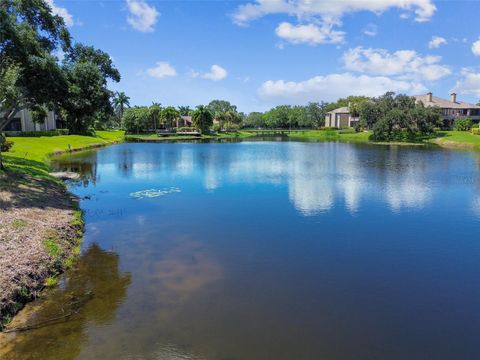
x: 41, y: 324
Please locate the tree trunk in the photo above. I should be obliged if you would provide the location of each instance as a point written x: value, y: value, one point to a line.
x: 7, y: 117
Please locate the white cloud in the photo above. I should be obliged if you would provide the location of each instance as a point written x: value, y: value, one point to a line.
x: 327, y: 9
x: 436, y: 42
x: 476, y: 48
x: 333, y: 86
x: 142, y: 17
x: 371, y: 30
x: 161, y: 70
x: 62, y: 12
x: 310, y: 34
x: 468, y: 84
x: 405, y: 64
x: 216, y: 73
x: 318, y: 17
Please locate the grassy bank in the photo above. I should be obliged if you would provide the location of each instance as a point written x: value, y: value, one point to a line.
x: 156, y: 138
x: 457, y: 139
x: 330, y: 135
x: 40, y: 222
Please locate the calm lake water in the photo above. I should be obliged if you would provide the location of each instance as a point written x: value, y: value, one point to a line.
x: 268, y: 250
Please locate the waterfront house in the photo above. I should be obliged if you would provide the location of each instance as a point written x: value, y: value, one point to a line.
x: 450, y: 109
x: 23, y: 122
x: 340, y: 117
x: 184, y: 121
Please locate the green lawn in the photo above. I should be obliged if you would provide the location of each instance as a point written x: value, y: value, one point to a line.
x: 457, y: 139
x: 330, y: 135
x: 38, y: 148
x: 30, y: 154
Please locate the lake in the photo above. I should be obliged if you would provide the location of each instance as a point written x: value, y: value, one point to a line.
x: 268, y: 250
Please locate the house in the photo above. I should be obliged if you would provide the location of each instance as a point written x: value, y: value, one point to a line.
x: 340, y: 117
x: 451, y: 109
x: 23, y: 122
x: 184, y: 121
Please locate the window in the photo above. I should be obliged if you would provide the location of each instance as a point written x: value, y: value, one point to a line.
x: 14, y: 125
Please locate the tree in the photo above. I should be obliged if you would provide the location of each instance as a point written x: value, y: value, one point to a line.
x: 399, y: 118
x: 137, y: 119
x: 155, y: 114
x: 170, y: 115
x: 184, y: 110
x: 120, y: 101
x: 278, y: 117
x: 39, y: 113
x: 87, y: 71
x: 29, y: 34
x: 221, y: 106
x: 202, y: 118
x: 316, y: 113
x: 255, y: 120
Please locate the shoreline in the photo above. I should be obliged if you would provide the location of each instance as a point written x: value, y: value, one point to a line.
x: 41, y: 227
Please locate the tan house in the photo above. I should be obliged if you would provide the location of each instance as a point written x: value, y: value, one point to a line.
x: 23, y: 122
x: 184, y: 121
x: 450, y: 109
x: 340, y: 117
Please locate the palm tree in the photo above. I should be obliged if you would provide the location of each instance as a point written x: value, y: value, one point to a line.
x: 222, y: 118
x: 120, y: 101
x: 170, y: 115
x: 155, y: 113
x: 184, y: 110
x: 202, y: 118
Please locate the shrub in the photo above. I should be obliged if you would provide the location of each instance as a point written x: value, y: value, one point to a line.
x: 56, y: 132
x: 186, y: 129
x: 217, y: 127
x: 476, y: 131
x: 475, y: 126
x: 463, y: 124
x: 6, y: 146
x: 229, y: 126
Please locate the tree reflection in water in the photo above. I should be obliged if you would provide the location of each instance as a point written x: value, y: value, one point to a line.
x: 92, y: 292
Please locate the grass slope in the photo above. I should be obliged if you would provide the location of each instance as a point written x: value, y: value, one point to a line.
x: 460, y: 139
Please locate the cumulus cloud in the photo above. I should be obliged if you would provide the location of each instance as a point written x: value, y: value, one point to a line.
x: 310, y: 34
x: 62, y: 12
x: 436, y: 42
x: 161, y: 70
x: 468, y: 84
x: 476, y: 48
x: 216, y: 73
x: 326, y: 9
x: 142, y: 17
x: 333, y: 86
x: 406, y: 64
x: 317, y: 16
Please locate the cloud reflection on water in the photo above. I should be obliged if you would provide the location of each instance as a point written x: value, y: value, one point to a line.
x: 318, y: 176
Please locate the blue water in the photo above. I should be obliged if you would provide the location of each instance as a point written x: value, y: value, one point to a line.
x: 274, y: 250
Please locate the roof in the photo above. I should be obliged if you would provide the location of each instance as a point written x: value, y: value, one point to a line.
x: 443, y: 103
x: 341, y: 110
x: 187, y: 118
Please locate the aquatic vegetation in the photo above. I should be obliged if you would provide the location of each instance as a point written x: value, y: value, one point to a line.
x: 154, y: 193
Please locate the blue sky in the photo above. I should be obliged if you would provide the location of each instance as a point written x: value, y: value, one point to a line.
x: 262, y: 53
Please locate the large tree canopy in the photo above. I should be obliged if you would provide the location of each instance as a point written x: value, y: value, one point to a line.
x: 29, y: 73
x: 87, y: 72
